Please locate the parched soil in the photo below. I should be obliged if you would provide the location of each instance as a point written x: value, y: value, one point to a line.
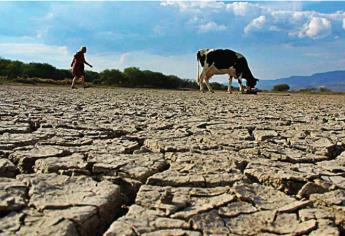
x: 158, y: 162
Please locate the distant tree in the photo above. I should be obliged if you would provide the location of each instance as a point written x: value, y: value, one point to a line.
x: 324, y: 89
x: 174, y: 82
x: 14, y: 69
x: 4, y: 64
x: 151, y: 79
x: 42, y: 70
x: 281, y: 88
x: 110, y: 77
x: 66, y: 74
x: 133, y: 75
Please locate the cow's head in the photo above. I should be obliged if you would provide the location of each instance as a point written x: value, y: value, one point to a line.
x: 201, y: 55
x: 251, y: 83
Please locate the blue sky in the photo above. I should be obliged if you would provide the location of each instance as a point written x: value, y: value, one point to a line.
x: 279, y: 39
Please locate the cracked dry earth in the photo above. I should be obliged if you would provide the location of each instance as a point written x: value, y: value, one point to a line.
x: 154, y: 162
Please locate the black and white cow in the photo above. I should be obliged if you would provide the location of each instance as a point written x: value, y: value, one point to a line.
x: 224, y: 61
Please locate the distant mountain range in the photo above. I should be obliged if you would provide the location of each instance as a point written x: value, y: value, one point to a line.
x: 333, y: 80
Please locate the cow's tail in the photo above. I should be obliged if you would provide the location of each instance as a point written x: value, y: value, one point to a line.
x: 198, y: 71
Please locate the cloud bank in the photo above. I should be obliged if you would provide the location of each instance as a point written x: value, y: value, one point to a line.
x: 285, y: 18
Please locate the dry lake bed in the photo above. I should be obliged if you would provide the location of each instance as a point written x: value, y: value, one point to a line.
x: 158, y: 162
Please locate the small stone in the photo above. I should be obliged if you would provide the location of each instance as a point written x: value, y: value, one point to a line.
x: 234, y: 209
x: 310, y: 188
x: 211, y: 204
x: 294, y: 206
x: 262, y: 135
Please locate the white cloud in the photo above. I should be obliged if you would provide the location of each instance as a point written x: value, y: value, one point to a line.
x: 316, y: 28
x: 183, y: 6
x: 195, y: 6
x: 243, y: 8
x: 213, y: 6
x: 301, y: 24
x: 255, y: 25
x: 288, y: 17
x: 211, y: 26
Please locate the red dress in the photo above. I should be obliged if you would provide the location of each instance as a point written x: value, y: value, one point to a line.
x: 78, y: 64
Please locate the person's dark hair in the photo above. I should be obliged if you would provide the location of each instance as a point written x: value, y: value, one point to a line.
x: 83, y: 49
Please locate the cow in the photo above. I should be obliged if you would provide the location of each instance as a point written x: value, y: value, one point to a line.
x: 223, y: 61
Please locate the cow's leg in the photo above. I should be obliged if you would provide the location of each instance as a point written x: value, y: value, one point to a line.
x: 208, y: 84
x: 208, y: 74
x: 229, y: 84
x: 239, y: 79
x: 201, y: 86
x: 201, y: 81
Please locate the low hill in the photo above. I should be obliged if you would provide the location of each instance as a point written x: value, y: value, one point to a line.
x: 334, y: 80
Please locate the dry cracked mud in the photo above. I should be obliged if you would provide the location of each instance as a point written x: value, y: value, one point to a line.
x: 157, y: 162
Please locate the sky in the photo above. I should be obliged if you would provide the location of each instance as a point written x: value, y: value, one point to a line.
x: 279, y: 39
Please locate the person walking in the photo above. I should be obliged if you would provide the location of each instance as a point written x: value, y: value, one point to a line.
x: 78, y: 67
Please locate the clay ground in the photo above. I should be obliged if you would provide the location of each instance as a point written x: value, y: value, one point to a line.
x: 159, y: 162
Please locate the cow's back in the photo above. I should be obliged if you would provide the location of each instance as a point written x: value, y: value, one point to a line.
x: 222, y: 58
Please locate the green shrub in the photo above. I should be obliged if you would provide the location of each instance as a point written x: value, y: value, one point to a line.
x: 281, y: 88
